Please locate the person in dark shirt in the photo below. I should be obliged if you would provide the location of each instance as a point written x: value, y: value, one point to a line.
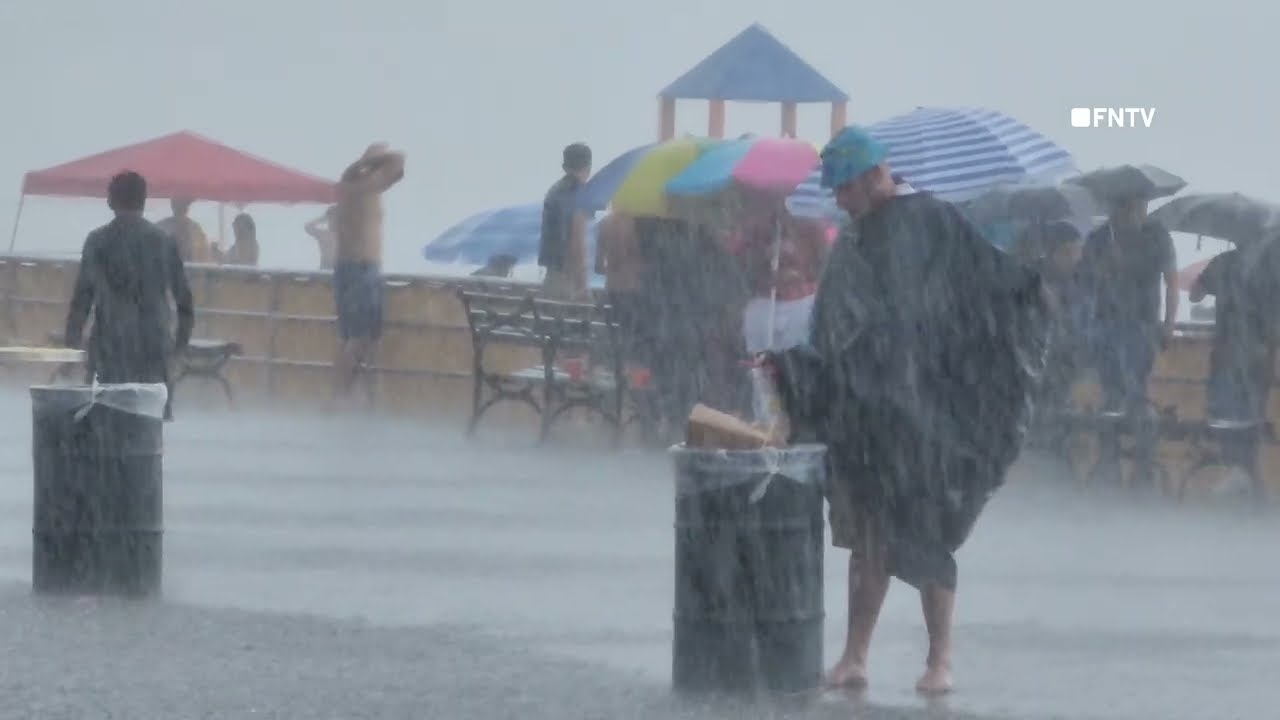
x: 562, y: 248
x: 1123, y: 263
x: 128, y: 270
x: 1243, y: 331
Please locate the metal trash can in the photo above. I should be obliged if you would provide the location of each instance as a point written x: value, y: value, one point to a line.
x: 748, y: 566
x: 98, y: 506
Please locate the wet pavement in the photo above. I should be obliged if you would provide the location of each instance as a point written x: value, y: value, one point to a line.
x: 324, y: 567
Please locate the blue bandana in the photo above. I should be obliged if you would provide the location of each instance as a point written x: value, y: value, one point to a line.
x: 850, y: 153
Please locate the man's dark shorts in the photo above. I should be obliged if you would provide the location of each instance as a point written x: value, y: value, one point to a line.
x: 357, y: 292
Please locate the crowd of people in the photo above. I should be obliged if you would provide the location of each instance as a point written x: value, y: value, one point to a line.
x: 1115, y: 294
x: 907, y: 343
x: 917, y: 351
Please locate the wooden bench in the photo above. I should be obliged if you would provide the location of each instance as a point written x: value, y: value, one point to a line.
x: 206, y: 358
x: 1213, y: 442
x: 557, y: 329
x: 202, y: 358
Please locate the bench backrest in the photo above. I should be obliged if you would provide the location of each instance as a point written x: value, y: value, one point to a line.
x: 531, y: 321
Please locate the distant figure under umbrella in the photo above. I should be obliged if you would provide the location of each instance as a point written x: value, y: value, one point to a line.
x: 926, y: 346
x: 357, y: 274
x: 1063, y: 246
x: 1244, y: 332
x: 618, y: 258
x: 778, y: 313
x: 695, y: 293
x: 562, y: 249
x: 129, y: 269
x: 1123, y: 263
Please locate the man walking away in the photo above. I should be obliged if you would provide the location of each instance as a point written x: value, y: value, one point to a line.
x: 128, y: 269
x: 357, y: 274
x: 562, y: 250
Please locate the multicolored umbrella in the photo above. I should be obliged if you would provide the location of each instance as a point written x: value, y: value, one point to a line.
x: 635, y: 182
x: 740, y: 172
x: 766, y: 164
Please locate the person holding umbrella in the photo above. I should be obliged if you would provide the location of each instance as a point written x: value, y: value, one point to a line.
x: 1244, y: 282
x: 924, y: 355
x: 1124, y: 261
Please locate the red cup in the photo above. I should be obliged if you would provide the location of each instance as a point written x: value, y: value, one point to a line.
x: 639, y: 377
x: 576, y: 368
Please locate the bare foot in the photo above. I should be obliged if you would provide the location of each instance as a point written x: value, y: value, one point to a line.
x: 935, y: 681
x: 847, y: 674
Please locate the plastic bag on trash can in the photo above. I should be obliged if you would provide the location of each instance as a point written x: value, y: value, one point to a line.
x: 700, y: 469
x: 147, y: 399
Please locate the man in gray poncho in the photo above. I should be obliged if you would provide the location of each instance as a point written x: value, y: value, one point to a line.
x: 927, y: 344
x: 129, y: 269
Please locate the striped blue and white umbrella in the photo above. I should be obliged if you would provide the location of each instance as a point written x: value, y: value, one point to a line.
x: 514, y: 231
x: 956, y: 154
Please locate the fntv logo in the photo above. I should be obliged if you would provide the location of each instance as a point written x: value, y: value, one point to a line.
x: 1112, y: 117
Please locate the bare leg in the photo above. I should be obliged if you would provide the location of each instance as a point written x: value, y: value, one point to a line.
x: 938, y: 604
x: 868, y: 585
x: 350, y: 355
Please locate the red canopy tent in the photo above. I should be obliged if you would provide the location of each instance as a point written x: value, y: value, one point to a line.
x: 184, y: 165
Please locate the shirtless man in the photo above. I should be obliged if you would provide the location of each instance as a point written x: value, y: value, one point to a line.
x: 193, y: 244
x: 357, y: 272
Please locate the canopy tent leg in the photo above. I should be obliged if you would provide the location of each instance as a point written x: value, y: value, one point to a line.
x: 17, y: 219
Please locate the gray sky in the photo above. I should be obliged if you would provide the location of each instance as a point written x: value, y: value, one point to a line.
x: 483, y: 95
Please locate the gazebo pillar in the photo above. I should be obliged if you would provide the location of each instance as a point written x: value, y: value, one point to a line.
x: 666, y: 118
x: 839, y: 119
x: 789, y: 120
x: 715, y: 119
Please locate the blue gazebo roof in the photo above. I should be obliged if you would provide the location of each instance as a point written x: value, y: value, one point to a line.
x: 754, y: 67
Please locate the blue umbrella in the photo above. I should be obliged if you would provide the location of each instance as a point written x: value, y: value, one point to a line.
x: 958, y: 154
x: 514, y: 231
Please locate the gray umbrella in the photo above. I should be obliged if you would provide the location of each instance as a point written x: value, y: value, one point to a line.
x: 1042, y: 203
x: 1236, y: 218
x: 1145, y: 182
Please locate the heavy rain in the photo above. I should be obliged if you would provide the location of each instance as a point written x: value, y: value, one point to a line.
x: 399, y: 361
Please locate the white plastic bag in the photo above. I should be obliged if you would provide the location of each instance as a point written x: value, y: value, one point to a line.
x: 147, y: 399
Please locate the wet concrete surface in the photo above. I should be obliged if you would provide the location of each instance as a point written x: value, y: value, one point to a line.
x: 335, y: 567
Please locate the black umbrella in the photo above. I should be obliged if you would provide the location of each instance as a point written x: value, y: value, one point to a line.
x: 1034, y: 203
x: 1127, y: 182
x: 1236, y: 218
